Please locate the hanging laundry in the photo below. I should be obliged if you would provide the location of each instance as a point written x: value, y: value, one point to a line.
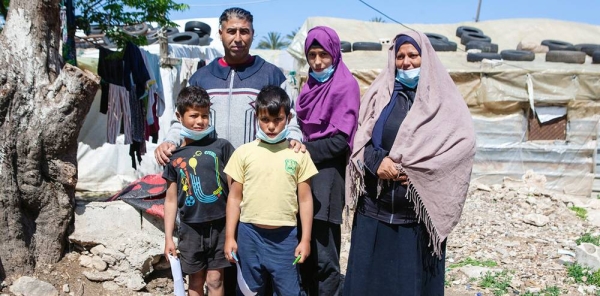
x: 118, y: 108
x: 188, y: 67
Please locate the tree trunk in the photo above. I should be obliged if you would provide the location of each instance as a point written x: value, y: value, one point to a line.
x: 42, y: 108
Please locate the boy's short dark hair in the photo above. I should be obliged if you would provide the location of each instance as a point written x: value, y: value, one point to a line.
x: 272, y: 98
x: 191, y: 97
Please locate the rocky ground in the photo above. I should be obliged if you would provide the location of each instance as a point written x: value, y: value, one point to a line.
x: 513, y: 239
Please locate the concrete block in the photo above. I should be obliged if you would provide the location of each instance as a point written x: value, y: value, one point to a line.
x: 588, y: 255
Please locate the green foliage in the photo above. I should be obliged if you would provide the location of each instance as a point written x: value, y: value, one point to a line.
x: 273, y: 40
x: 549, y: 291
x: 588, y: 238
x: 473, y: 262
x: 112, y: 15
x: 582, y: 274
x: 377, y: 20
x: 498, y: 283
x: 580, y: 212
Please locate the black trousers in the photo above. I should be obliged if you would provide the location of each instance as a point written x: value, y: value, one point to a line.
x: 321, y: 271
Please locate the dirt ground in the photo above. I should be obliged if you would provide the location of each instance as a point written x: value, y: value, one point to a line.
x: 67, y: 277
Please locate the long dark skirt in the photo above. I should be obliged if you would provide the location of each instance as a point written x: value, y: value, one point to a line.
x: 389, y: 260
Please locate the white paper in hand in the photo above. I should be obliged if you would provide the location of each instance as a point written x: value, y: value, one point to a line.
x: 242, y: 283
x: 179, y: 289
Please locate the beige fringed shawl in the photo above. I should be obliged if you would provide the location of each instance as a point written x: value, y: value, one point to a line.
x: 435, y: 144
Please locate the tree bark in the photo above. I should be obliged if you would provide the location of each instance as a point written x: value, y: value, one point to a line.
x: 42, y: 108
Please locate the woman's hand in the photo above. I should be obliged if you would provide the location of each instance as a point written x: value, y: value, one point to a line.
x: 388, y: 171
x: 297, y: 146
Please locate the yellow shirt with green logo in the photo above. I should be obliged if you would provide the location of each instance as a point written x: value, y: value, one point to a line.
x: 270, y: 174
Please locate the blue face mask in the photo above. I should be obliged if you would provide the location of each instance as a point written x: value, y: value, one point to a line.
x: 410, y: 78
x: 280, y: 137
x: 323, y: 75
x: 196, y: 135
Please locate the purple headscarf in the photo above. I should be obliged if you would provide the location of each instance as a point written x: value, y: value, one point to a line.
x: 328, y: 108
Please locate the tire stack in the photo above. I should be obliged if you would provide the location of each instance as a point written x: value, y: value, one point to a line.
x: 345, y: 46
x: 440, y: 42
x: 590, y: 49
x: 201, y: 29
x: 474, y: 38
x: 366, y: 46
x: 563, y: 52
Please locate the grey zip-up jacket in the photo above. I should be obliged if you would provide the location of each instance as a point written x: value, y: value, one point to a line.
x: 232, y: 93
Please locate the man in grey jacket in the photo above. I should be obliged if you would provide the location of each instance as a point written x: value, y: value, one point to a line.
x: 233, y: 82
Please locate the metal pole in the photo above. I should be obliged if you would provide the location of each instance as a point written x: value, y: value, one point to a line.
x: 478, y: 10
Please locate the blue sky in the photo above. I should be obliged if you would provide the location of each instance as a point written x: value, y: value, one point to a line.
x: 283, y: 16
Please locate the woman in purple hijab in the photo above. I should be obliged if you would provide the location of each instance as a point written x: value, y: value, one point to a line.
x: 327, y: 109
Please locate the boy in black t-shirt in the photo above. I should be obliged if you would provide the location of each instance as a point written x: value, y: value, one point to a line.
x: 197, y: 191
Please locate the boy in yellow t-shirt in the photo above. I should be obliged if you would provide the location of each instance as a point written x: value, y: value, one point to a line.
x: 262, y: 197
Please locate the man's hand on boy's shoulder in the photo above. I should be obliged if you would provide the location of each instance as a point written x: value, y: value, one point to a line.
x: 163, y: 152
x: 297, y: 146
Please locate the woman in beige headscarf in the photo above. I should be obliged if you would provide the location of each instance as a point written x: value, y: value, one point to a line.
x: 408, y: 174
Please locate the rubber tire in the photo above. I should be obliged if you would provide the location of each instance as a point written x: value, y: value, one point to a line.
x: 466, y: 29
x: 588, y: 48
x: 137, y: 29
x: 558, y: 45
x: 483, y: 46
x: 197, y: 27
x: 596, y: 57
x: 566, y: 56
x: 466, y: 37
x: 346, y: 46
x: 151, y: 40
x: 434, y: 36
x: 374, y: 46
x: 443, y: 45
x: 152, y: 33
x: 204, y: 40
x: 478, y: 57
x: 171, y: 30
x: 94, y: 30
x: 189, y: 38
x: 517, y: 55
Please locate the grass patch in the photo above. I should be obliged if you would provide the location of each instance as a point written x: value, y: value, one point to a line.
x: 549, y: 291
x: 588, y: 238
x: 498, y: 283
x: 580, y: 212
x: 448, y: 281
x: 583, y: 274
x: 473, y: 262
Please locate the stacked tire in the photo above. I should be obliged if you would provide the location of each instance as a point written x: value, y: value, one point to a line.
x: 564, y: 52
x: 596, y: 57
x: 201, y: 29
x: 441, y: 42
x: 474, y: 38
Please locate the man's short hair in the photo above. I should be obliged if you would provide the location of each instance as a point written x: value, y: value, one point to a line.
x: 272, y: 98
x: 236, y: 12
